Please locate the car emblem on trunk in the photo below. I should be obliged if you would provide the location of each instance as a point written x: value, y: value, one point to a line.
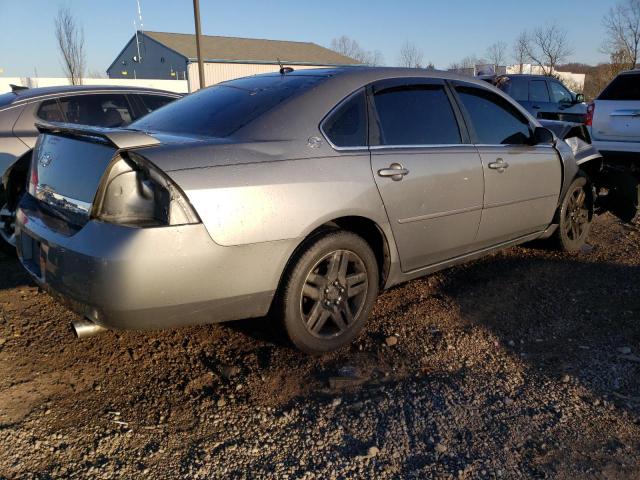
x: 45, y: 160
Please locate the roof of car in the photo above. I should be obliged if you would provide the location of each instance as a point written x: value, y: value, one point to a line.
x: 372, y: 74
x: 34, y: 93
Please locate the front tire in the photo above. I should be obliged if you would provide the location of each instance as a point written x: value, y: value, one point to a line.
x: 329, y: 292
x: 576, y: 215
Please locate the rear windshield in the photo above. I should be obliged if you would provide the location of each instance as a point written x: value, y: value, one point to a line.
x: 223, y: 109
x: 6, y: 99
x: 623, y: 87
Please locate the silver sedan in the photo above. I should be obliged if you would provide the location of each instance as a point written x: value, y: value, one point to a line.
x: 300, y: 194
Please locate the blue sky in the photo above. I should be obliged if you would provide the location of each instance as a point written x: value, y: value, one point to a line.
x: 445, y: 31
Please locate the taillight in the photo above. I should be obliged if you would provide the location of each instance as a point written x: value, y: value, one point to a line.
x: 33, y: 170
x: 589, y: 119
x: 136, y: 193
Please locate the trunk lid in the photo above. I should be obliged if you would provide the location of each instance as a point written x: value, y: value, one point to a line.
x: 68, y: 165
x: 616, y: 120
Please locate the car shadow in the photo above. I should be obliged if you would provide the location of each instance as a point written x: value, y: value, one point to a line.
x: 569, y: 317
x: 15, y: 275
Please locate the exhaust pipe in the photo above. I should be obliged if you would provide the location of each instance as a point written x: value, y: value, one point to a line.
x: 86, y: 328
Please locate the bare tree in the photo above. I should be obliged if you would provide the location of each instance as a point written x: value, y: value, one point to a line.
x: 520, y: 48
x: 497, y: 53
x: 470, y: 61
x: 547, y: 47
x: 70, y: 39
x: 622, y: 24
x: 410, y: 56
x: 350, y: 48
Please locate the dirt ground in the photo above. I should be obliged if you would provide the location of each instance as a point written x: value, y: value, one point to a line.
x: 525, y: 364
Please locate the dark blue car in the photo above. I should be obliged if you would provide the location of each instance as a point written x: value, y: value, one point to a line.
x: 544, y: 97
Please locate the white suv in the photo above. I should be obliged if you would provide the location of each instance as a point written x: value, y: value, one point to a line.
x: 614, y: 117
x: 613, y: 120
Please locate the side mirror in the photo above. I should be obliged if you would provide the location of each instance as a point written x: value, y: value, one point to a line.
x: 543, y: 135
x: 579, y: 98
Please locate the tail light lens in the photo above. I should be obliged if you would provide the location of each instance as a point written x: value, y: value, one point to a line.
x: 590, y: 110
x: 136, y: 193
x: 32, y: 184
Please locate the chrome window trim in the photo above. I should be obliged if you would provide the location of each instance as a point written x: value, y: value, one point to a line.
x: 513, y: 145
x: 326, y: 117
x: 428, y: 145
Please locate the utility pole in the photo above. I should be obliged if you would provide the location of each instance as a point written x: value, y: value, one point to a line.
x: 196, y: 14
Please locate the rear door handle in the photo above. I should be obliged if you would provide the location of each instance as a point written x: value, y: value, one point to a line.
x: 396, y: 171
x: 537, y: 107
x: 500, y: 165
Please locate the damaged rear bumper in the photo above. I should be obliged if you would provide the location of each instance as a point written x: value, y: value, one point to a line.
x: 147, y: 278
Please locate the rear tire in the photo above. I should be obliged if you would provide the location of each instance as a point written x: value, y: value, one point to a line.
x: 6, y: 229
x: 329, y: 292
x: 576, y: 215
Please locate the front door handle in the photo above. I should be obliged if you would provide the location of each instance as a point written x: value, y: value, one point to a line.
x: 500, y: 165
x: 396, y: 171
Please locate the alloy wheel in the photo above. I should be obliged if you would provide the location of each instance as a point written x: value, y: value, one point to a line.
x: 577, y: 216
x: 334, y: 294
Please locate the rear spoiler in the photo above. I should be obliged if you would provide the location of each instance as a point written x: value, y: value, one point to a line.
x: 120, y: 138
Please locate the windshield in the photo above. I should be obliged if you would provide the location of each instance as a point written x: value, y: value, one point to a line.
x: 223, y: 109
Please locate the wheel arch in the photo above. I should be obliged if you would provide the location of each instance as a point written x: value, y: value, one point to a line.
x: 16, y: 174
x: 364, y: 227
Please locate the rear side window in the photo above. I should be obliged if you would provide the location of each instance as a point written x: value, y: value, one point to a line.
x: 518, y: 88
x: 153, y: 102
x: 97, y: 110
x: 623, y: 87
x: 347, y: 125
x: 225, y: 108
x: 494, y: 119
x: 538, y: 91
x: 49, y: 111
x: 416, y: 115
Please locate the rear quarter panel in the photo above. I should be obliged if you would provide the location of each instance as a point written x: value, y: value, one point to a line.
x: 269, y: 201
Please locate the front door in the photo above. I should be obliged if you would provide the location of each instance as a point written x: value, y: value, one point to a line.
x: 522, y: 181
x: 429, y: 176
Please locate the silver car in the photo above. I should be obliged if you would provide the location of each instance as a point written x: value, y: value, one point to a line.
x: 302, y: 194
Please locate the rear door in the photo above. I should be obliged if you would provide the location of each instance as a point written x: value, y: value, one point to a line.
x: 522, y: 181
x: 617, y: 110
x: 428, y: 174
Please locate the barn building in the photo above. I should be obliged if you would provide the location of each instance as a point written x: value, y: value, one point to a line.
x: 161, y: 55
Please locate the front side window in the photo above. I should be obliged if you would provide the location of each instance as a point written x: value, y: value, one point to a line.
x: 347, y: 125
x: 494, y: 119
x: 538, y: 91
x: 100, y: 110
x: 560, y: 94
x: 416, y: 115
